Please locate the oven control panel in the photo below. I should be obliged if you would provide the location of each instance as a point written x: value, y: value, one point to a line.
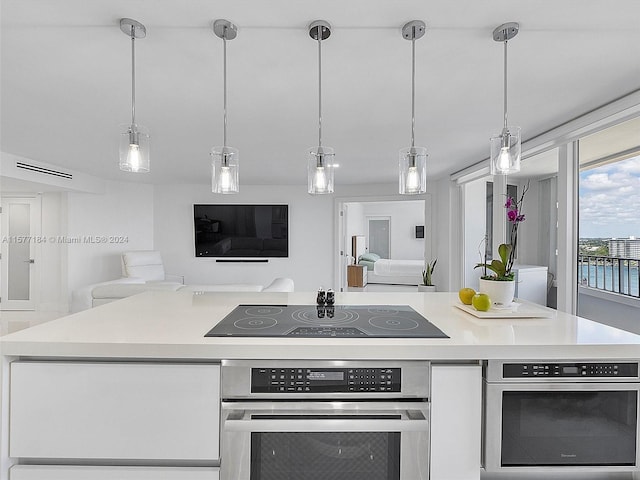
x: 562, y: 370
x: 325, y: 380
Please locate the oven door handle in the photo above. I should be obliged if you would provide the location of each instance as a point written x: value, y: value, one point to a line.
x: 411, y: 421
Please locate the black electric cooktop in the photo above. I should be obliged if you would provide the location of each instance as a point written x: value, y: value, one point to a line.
x: 338, y: 321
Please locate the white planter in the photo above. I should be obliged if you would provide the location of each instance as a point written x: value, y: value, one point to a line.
x: 500, y: 293
x: 426, y: 288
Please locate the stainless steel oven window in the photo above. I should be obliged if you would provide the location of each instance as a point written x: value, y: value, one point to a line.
x: 323, y: 455
x: 569, y: 428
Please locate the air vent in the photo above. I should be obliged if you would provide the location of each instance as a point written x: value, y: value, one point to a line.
x: 44, y: 171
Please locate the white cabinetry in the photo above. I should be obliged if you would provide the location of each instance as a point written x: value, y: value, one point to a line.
x: 55, y: 472
x: 456, y: 419
x: 531, y: 283
x: 147, y: 411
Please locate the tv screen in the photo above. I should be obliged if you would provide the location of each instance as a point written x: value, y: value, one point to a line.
x: 226, y: 230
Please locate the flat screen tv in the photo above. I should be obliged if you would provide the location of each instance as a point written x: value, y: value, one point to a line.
x: 226, y: 230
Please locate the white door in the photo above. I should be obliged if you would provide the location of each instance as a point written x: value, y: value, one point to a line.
x: 18, y: 262
x: 344, y: 248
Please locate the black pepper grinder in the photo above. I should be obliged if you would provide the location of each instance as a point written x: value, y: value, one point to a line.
x: 331, y: 297
x: 320, y: 298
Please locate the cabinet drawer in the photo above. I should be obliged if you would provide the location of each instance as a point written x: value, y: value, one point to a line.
x: 114, y: 410
x: 55, y: 472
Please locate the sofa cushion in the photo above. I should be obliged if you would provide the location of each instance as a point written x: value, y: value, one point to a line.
x: 280, y: 284
x: 145, y: 264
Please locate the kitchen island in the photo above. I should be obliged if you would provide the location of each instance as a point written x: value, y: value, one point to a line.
x: 153, y: 346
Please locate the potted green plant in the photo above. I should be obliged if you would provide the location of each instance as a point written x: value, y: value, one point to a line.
x: 500, y: 285
x: 427, y: 277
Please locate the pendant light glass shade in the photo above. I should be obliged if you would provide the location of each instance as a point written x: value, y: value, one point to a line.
x: 505, y: 151
x: 412, y: 166
x: 506, y: 146
x: 320, y: 170
x: 134, y: 149
x: 225, y: 160
x: 413, y: 170
x: 320, y: 159
x: 134, y: 139
x: 224, y: 177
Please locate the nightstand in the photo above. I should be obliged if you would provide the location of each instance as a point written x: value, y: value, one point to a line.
x: 356, y: 275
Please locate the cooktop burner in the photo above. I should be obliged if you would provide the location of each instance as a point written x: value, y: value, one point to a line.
x: 393, y: 321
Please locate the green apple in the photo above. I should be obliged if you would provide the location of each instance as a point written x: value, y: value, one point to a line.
x: 466, y: 294
x: 481, y: 302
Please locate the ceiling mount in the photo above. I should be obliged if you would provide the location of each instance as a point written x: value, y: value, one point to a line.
x: 506, y: 31
x: 414, y: 30
x: 138, y: 30
x: 225, y: 29
x: 320, y: 28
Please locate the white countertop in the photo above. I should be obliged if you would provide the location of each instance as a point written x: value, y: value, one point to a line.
x: 172, y: 325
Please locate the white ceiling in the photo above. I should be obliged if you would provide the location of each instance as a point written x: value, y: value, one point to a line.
x: 66, y: 80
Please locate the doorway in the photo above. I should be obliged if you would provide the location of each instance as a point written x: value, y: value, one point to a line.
x: 20, y: 222
x: 397, y: 237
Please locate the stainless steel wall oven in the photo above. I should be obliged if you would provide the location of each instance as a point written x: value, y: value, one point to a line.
x: 561, y: 416
x: 308, y: 420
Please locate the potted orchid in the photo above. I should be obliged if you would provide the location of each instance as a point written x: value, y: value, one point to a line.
x: 500, y: 285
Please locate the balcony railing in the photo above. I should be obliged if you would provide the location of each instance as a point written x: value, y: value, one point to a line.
x: 612, y: 274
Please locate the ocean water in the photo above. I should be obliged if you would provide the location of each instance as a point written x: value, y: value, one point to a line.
x: 608, y: 278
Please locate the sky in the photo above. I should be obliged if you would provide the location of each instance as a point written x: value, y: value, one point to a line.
x: 610, y: 200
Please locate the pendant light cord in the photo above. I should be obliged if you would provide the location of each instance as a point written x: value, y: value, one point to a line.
x: 320, y: 33
x: 224, y: 61
x: 133, y: 75
x: 505, y: 82
x: 413, y: 85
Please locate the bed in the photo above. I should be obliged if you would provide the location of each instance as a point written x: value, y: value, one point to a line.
x: 385, y: 270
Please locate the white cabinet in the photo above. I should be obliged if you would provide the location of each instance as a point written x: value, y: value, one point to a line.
x: 148, y: 411
x: 531, y: 283
x: 456, y: 419
x: 57, y: 472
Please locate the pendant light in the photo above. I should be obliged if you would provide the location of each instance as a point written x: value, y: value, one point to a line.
x: 225, y: 159
x: 320, y: 159
x: 505, y: 148
x: 413, y: 160
x: 134, y: 141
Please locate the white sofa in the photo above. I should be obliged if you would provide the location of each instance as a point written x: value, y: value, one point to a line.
x: 143, y: 271
x: 105, y: 292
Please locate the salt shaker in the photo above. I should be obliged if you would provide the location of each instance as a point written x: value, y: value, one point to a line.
x: 331, y: 297
x: 320, y: 298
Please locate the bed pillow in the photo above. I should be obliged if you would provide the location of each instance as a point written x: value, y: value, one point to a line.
x: 370, y: 257
x: 367, y: 264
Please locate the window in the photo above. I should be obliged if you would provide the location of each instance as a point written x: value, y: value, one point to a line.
x: 609, y: 210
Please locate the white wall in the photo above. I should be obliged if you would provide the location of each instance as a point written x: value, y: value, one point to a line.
x: 53, y: 288
x: 405, y: 215
x: 528, y: 241
x: 311, y: 236
x: 354, y: 224
x: 124, y: 212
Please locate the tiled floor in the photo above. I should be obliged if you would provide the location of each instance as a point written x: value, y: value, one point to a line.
x: 12, y: 320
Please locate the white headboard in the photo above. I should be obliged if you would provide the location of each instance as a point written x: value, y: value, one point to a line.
x: 358, y: 246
